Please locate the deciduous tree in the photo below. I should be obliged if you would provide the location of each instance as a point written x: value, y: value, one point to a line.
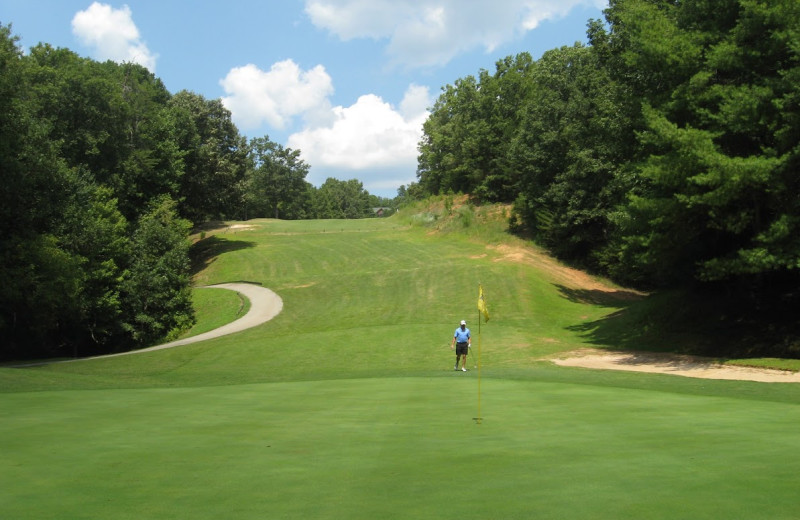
x: 277, y: 185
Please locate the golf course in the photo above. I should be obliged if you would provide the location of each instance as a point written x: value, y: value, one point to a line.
x: 345, y: 404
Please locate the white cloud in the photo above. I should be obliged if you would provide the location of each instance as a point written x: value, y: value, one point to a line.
x: 357, y: 19
x: 112, y: 34
x: 370, y: 137
x: 276, y: 96
x: 416, y: 102
x: 368, y: 134
x: 431, y: 32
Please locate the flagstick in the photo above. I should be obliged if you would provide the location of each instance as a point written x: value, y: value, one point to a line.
x: 478, y: 418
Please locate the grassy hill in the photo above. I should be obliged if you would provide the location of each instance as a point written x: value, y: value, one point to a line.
x: 346, y: 404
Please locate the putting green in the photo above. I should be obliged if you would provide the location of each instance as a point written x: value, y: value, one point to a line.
x: 399, y: 448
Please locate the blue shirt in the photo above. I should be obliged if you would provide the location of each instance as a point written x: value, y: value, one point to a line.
x: 461, y: 335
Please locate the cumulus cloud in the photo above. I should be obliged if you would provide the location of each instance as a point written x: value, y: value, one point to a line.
x: 432, y: 32
x: 371, y: 133
x: 112, y: 35
x: 372, y: 139
x: 276, y: 96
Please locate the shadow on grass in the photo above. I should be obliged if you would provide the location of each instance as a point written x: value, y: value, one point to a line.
x: 617, y: 331
x: 613, y: 331
x: 655, y: 323
x: 204, y: 252
x: 619, y: 298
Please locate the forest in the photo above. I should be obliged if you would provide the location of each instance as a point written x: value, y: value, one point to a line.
x: 104, y: 174
x: 663, y: 155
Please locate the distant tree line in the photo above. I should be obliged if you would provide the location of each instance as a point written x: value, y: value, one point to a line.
x: 665, y: 154
x: 103, y: 174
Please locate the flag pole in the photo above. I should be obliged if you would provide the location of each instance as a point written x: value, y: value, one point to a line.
x: 481, y: 310
x: 478, y: 418
x: 479, y: 367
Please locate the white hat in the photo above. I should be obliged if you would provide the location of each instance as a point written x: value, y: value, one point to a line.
x: 463, y: 322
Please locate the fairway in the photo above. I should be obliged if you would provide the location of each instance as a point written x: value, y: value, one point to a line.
x: 346, y: 405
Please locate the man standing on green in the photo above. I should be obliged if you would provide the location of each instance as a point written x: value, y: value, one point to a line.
x: 462, y: 342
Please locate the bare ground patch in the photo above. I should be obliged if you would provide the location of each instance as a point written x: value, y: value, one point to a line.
x: 559, y: 273
x: 241, y: 227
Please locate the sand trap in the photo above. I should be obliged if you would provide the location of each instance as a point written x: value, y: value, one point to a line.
x: 679, y: 365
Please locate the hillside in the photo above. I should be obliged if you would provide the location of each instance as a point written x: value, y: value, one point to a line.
x: 353, y: 281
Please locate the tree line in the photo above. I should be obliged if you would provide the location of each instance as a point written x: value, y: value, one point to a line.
x: 104, y: 173
x: 664, y: 154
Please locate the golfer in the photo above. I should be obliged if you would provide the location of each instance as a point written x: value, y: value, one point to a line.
x: 462, y: 342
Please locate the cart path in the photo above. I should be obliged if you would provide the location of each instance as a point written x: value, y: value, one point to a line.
x: 264, y: 305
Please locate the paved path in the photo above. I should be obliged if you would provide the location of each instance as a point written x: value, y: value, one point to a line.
x: 264, y: 305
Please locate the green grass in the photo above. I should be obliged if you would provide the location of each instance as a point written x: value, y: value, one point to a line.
x: 346, y: 405
x: 773, y: 363
x: 215, y: 308
x: 399, y: 448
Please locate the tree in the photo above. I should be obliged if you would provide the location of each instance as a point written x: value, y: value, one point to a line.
x: 442, y: 163
x: 720, y: 150
x: 501, y: 95
x: 277, y: 184
x: 157, y: 292
x: 153, y: 163
x: 340, y: 199
x: 41, y: 280
x: 215, y: 159
x: 569, y: 150
x: 110, y: 120
x: 466, y: 137
x: 95, y: 232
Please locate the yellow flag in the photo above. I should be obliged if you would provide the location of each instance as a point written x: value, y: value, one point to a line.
x: 482, y: 303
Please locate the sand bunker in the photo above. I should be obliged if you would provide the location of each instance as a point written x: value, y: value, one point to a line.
x: 679, y: 365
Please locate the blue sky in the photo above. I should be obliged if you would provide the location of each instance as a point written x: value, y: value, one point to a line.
x: 347, y: 82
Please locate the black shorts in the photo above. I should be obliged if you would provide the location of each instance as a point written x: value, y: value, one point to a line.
x: 462, y: 349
